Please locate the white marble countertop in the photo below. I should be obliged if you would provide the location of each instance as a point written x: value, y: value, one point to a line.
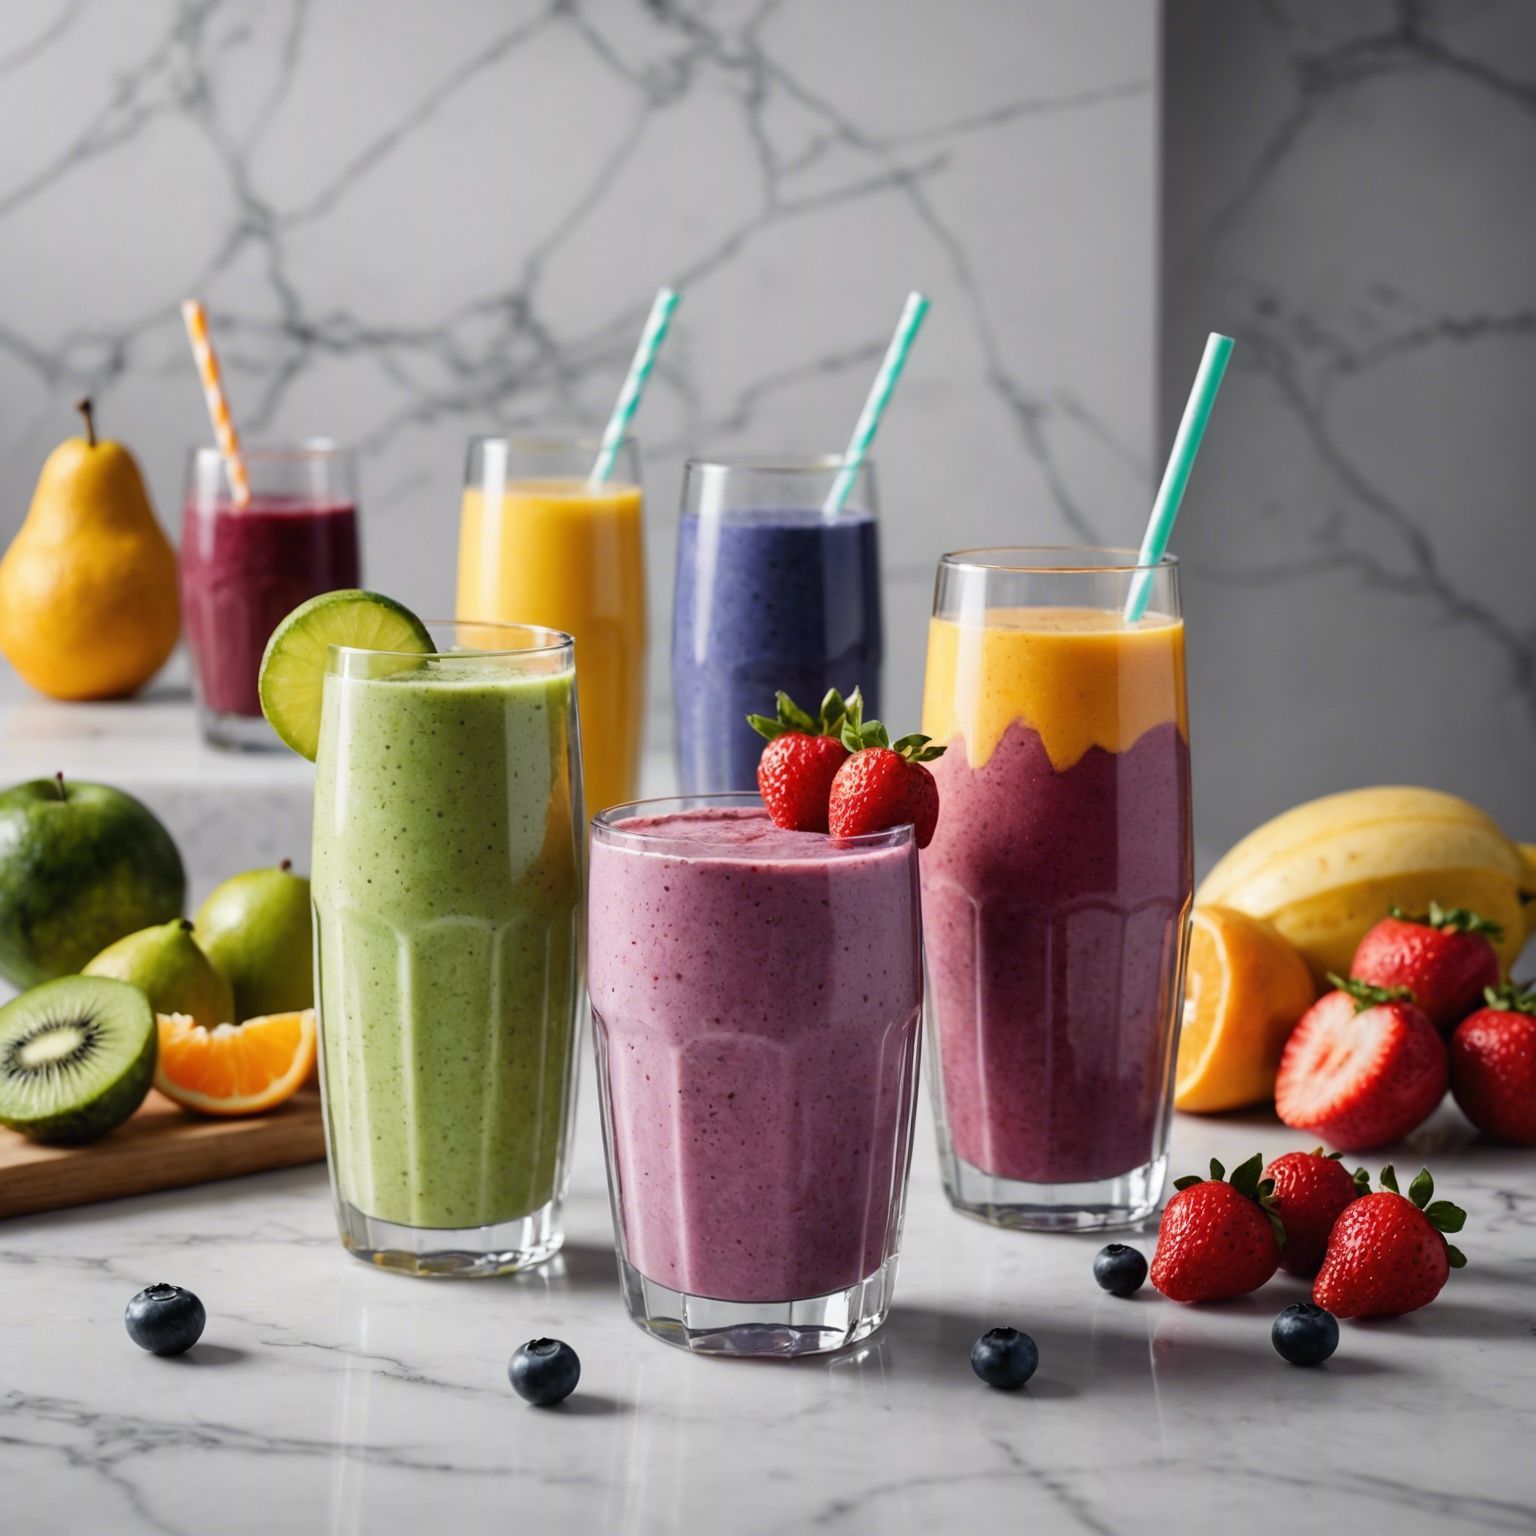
x: 327, y: 1396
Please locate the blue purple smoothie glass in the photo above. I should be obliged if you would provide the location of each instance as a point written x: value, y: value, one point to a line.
x: 770, y: 594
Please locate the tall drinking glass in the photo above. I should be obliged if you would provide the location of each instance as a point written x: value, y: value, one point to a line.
x: 540, y: 544
x: 770, y: 594
x: 244, y: 569
x: 447, y: 891
x: 1057, y: 889
x: 756, y: 996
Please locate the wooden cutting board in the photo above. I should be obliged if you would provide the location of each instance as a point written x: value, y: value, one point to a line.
x: 160, y: 1147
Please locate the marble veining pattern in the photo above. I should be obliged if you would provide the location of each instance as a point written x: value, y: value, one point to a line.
x: 330, y: 1397
x: 1348, y: 192
x: 408, y: 233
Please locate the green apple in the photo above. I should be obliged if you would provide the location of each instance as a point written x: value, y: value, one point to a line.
x: 259, y: 930
x: 167, y: 966
x: 80, y: 866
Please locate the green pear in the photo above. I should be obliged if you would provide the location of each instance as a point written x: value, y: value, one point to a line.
x: 258, y: 929
x: 167, y: 966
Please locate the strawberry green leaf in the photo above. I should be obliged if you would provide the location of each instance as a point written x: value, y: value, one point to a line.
x: 765, y: 727
x: 1187, y: 1181
x: 791, y: 715
x: 1389, y: 1179
x: 1512, y: 997
x: 918, y: 748
x: 1362, y: 1181
x: 1245, y: 1177
x: 1217, y: 1171
x: 1456, y: 1256
x: 1276, y: 1226
x: 1445, y: 1217
x: 833, y: 708
x: 1422, y: 1188
x: 1368, y: 996
x: 1453, y: 920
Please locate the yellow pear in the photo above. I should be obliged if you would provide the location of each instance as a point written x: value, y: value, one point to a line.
x: 88, y: 606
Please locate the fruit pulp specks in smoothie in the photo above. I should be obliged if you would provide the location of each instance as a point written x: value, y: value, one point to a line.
x: 447, y: 897
x: 756, y: 998
x: 1057, y: 887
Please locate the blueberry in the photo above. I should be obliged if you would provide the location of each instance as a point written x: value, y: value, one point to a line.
x: 1120, y: 1270
x: 544, y: 1372
x: 1305, y: 1334
x: 1005, y: 1358
x: 164, y: 1319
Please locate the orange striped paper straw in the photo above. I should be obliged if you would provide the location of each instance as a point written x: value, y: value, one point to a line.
x: 218, y: 403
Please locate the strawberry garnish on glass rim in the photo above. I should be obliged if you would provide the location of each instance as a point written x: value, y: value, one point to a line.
x: 804, y: 752
x: 883, y: 783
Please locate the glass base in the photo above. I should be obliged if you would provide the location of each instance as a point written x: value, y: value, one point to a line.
x: 1090, y: 1206
x: 238, y: 733
x: 780, y: 1329
x: 449, y: 1252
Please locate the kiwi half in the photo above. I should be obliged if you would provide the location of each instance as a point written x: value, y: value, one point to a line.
x: 77, y: 1056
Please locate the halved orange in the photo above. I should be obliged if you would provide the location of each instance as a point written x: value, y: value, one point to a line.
x: 1244, y: 990
x: 235, y: 1069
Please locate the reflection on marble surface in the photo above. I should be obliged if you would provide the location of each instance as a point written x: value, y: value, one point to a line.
x: 411, y: 231
x: 330, y: 1397
x: 1348, y: 192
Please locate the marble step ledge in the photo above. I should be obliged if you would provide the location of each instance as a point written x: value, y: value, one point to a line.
x: 228, y: 811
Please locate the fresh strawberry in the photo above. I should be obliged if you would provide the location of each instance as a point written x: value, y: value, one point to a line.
x: 883, y: 785
x: 1216, y: 1239
x: 1362, y: 1068
x: 1386, y: 1255
x: 1311, y: 1188
x: 795, y: 772
x: 1445, y: 958
x: 1493, y: 1066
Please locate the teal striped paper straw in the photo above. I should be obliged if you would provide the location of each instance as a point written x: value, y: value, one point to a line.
x: 651, y: 338
x: 1186, y: 444
x: 874, y: 407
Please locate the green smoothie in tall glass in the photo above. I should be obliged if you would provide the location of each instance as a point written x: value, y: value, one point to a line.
x: 447, y: 889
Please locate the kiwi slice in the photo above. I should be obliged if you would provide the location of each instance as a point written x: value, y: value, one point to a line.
x: 77, y: 1056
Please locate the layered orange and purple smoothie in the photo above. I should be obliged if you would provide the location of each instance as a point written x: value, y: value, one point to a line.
x: 1057, y: 888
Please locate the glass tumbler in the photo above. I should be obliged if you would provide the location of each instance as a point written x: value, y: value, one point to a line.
x: 539, y: 543
x: 756, y: 997
x: 244, y: 568
x: 1057, y: 888
x: 770, y: 594
x: 448, y: 894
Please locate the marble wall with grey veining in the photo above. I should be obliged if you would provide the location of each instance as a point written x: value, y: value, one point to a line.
x: 1350, y: 190
x: 413, y: 222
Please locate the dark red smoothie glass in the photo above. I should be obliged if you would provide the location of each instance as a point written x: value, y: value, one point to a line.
x: 245, y: 568
x: 756, y: 996
x: 1057, y: 888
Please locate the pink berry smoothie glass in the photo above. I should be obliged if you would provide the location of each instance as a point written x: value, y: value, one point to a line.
x: 756, y: 996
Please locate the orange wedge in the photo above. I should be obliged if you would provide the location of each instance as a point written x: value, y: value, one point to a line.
x: 235, y: 1069
x: 1244, y: 990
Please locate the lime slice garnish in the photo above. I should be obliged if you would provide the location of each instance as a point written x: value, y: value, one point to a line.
x: 292, y: 681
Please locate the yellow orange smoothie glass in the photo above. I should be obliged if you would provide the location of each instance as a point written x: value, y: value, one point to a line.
x: 540, y: 545
x: 1057, y: 888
